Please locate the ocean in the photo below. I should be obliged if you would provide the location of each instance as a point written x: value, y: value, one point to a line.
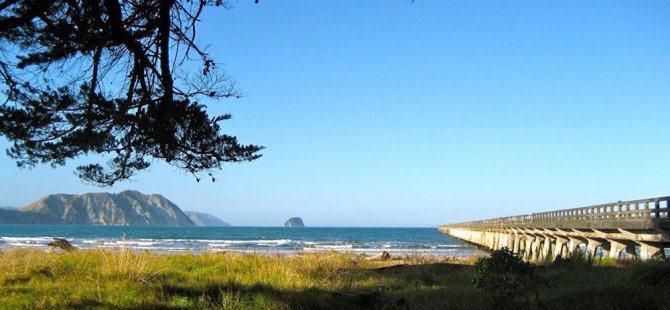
x: 272, y: 240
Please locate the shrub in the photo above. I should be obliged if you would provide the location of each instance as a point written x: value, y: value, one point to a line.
x: 576, y: 258
x: 653, y: 274
x: 506, y: 279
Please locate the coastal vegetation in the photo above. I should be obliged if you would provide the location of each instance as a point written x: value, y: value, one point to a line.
x: 131, y: 279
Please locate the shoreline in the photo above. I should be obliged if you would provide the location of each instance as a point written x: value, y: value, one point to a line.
x: 400, y: 241
x: 424, y: 256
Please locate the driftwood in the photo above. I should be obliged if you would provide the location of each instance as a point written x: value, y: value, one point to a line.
x: 61, y: 244
x: 381, y: 256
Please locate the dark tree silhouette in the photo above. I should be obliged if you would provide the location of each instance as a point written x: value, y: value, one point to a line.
x: 120, y: 78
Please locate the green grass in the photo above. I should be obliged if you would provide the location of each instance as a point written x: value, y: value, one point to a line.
x: 125, y: 279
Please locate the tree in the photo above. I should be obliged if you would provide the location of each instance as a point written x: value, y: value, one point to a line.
x: 112, y: 77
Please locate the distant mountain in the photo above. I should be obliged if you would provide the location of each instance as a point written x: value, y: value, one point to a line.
x: 8, y: 216
x: 204, y: 219
x: 294, y: 222
x: 124, y: 208
x: 8, y: 208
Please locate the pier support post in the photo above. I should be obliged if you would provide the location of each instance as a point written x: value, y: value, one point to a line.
x: 593, y: 244
x: 497, y: 240
x: 516, y: 243
x: 546, y: 247
x: 479, y: 238
x: 573, y: 245
x: 619, y: 246
x: 615, y: 249
x: 522, y: 246
x: 535, y: 249
x: 510, y: 241
x: 651, y: 250
x: 561, y: 249
x: 631, y: 253
x: 528, y: 247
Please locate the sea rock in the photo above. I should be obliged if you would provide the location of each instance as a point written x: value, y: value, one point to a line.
x: 294, y: 222
x: 205, y: 219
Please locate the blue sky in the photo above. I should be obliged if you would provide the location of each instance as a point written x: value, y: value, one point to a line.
x: 400, y: 113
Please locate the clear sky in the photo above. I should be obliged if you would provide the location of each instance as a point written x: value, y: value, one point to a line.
x: 400, y: 113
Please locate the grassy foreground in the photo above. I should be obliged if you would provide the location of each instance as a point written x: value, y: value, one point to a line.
x: 125, y: 279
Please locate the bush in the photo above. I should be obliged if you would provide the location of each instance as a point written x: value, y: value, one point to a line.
x: 506, y: 279
x: 576, y: 258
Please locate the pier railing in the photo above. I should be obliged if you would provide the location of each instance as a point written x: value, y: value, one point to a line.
x: 634, y: 214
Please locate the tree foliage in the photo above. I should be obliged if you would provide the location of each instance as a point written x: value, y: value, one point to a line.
x: 118, y: 77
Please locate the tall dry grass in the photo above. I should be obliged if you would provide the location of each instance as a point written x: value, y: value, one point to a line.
x: 131, y: 265
x: 128, y: 279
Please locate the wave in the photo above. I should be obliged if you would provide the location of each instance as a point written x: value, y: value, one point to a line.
x: 257, y: 245
x: 27, y: 239
x: 332, y: 247
x: 269, y: 241
x: 27, y: 244
x: 131, y: 243
x: 381, y: 249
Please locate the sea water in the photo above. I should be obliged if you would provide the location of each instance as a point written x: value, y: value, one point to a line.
x: 274, y: 240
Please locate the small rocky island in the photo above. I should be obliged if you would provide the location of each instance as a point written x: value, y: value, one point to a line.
x: 294, y: 222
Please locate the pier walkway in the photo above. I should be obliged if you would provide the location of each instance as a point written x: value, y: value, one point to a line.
x: 626, y: 229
